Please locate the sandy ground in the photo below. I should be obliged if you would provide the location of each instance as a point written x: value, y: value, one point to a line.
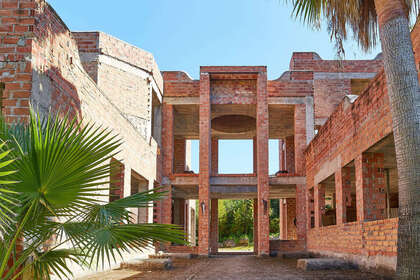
x: 234, y: 267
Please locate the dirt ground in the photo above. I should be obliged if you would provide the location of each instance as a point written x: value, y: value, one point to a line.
x: 234, y: 267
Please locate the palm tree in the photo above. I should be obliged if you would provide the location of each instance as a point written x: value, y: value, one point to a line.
x: 391, y: 17
x: 54, y: 201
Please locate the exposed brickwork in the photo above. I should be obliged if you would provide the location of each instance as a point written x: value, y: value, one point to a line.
x: 214, y: 156
x: 370, y: 186
x: 284, y: 246
x: 205, y: 166
x: 360, y: 238
x: 290, y: 154
x: 16, y: 37
x: 214, y: 226
x: 179, y: 155
x: 262, y: 165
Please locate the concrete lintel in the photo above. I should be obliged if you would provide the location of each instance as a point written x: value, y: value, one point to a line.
x: 184, y: 180
x: 310, y: 119
x: 233, y: 189
x: 286, y: 100
x: 181, y: 100
x: 236, y: 181
x: 334, y: 76
x: 287, y: 180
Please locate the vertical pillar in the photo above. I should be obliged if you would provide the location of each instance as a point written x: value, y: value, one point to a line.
x: 262, y: 165
x: 343, y: 193
x: 214, y: 226
x: 319, y: 204
x: 290, y: 154
x: 283, y: 218
x: 205, y: 166
x: 290, y: 218
x: 370, y: 186
x: 255, y: 226
x: 301, y: 190
x: 282, y: 156
x: 168, y: 159
x: 214, y: 156
x: 254, y: 145
x: 179, y: 155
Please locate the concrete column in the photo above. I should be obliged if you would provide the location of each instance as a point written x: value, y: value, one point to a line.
x: 205, y: 166
x: 300, y: 146
x: 262, y: 165
x: 214, y: 226
x: 167, y: 161
x: 290, y: 154
x: 319, y: 204
x: 282, y: 155
x: 256, y: 226
x: 370, y: 187
x: 283, y: 218
x: 214, y: 156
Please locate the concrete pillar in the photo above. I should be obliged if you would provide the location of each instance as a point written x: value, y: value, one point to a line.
x: 283, y: 218
x: 262, y: 165
x: 205, y: 166
x: 319, y: 204
x: 370, y: 186
x: 301, y: 190
x: 255, y: 226
x: 214, y: 226
x: 179, y: 155
x: 214, y: 156
x: 167, y: 161
x: 290, y: 154
x: 282, y: 155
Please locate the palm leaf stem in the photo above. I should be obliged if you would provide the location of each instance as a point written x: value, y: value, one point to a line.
x: 17, y: 234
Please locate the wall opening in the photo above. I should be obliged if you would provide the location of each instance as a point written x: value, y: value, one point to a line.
x: 327, y: 201
x: 273, y: 156
x: 236, y: 156
x: 349, y: 192
x: 139, y: 185
x: 236, y: 225
x: 193, y: 156
x: 116, y: 190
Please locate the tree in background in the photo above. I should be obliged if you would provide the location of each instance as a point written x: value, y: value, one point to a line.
x: 391, y: 17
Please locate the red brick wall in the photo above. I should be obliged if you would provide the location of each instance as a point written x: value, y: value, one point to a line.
x: 291, y: 216
x: 16, y: 37
x: 285, y: 246
x: 328, y: 94
x: 359, y: 238
x: 179, y: 155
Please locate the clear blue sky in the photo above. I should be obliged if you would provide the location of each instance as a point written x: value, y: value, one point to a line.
x: 185, y: 34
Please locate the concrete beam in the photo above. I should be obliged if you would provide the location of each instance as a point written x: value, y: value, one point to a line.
x: 184, y: 180
x: 287, y: 180
x: 237, y: 180
x: 181, y: 100
x: 285, y: 100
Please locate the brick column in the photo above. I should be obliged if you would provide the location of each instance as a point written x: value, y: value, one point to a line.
x: 214, y: 156
x: 254, y: 150
x: 370, y: 186
x: 282, y: 156
x: 301, y: 190
x: 167, y: 162
x: 290, y: 154
x: 343, y: 193
x: 319, y: 204
x: 262, y: 165
x: 179, y: 155
x: 214, y: 226
x: 255, y: 226
x: 205, y: 166
x: 283, y: 218
x: 290, y: 220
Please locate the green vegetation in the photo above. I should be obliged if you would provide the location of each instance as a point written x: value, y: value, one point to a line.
x: 236, y: 220
x: 54, y: 201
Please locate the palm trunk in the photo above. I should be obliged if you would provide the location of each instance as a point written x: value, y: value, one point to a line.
x: 403, y: 91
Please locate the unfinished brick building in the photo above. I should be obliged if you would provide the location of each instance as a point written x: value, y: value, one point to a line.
x: 337, y: 187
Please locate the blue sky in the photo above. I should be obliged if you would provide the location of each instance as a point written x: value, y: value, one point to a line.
x: 185, y: 34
